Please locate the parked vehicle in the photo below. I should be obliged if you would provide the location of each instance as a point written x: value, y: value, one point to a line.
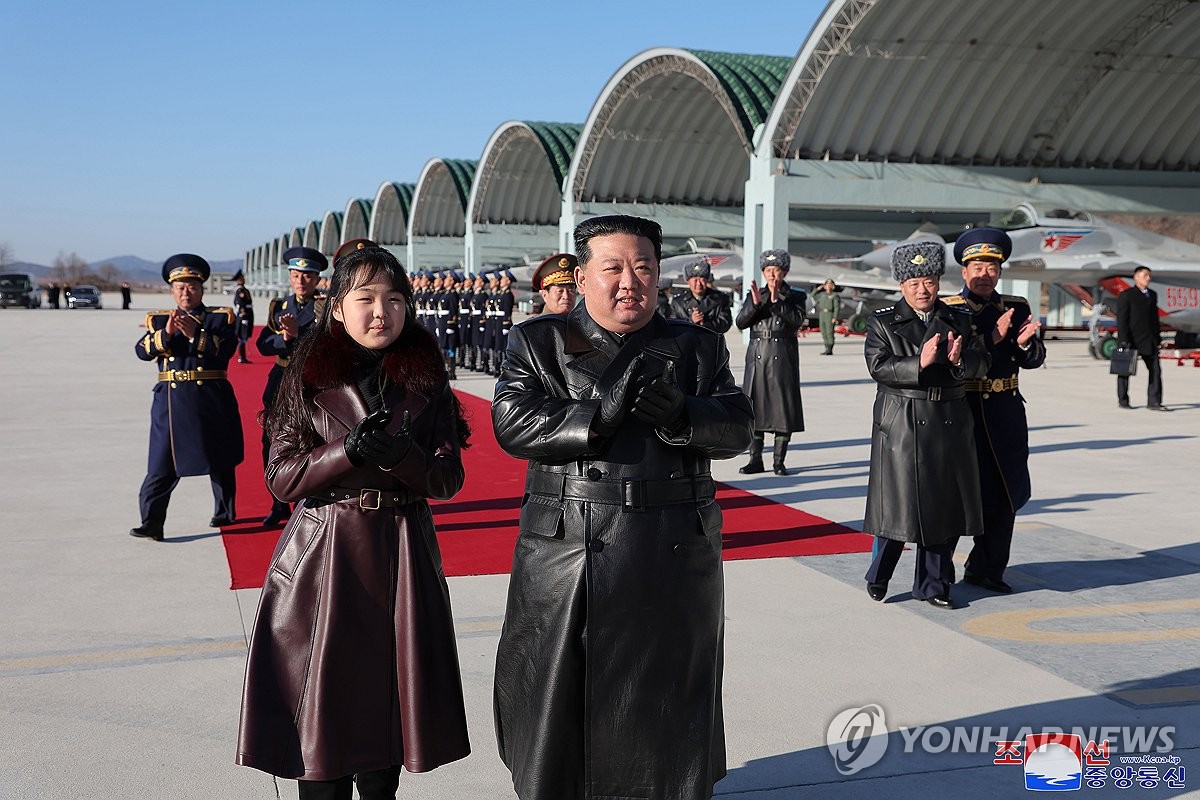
x: 83, y: 296
x: 19, y: 289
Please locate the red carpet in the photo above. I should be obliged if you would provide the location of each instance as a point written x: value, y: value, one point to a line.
x: 478, y: 528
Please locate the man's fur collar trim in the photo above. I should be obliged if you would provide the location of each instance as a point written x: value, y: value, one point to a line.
x: 414, y: 360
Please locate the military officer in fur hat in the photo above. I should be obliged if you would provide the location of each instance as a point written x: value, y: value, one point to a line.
x: 554, y: 279
x: 288, y: 318
x: 923, y: 486
x: 774, y: 314
x: 700, y: 303
x: 1009, y: 330
x: 193, y: 402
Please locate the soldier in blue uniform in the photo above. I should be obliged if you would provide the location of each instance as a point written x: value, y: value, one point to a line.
x: 479, y: 298
x: 1009, y: 329
x: 193, y: 402
x: 288, y: 318
x: 447, y: 321
x: 462, y: 354
x: 243, y: 305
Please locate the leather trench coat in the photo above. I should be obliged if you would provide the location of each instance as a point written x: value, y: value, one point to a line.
x: 924, y: 481
x: 353, y: 663
x: 714, y: 305
x: 772, y: 377
x: 1001, y: 428
x: 608, y: 672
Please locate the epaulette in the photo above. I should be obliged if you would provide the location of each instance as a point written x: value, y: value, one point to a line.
x: 152, y: 314
x: 226, y: 310
x: 1012, y: 299
x: 955, y: 300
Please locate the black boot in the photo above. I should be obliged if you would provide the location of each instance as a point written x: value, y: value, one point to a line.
x: 242, y: 353
x: 755, y: 464
x: 781, y: 446
x: 449, y: 360
x: 148, y: 530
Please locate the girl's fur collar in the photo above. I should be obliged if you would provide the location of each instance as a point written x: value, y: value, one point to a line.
x: 414, y: 360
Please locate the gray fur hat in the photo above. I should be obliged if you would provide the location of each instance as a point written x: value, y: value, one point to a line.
x: 699, y: 268
x: 775, y: 258
x: 918, y: 260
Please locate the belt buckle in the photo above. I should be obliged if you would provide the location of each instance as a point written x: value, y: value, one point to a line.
x: 998, y: 385
x: 364, y: 494
x: 633, y: 495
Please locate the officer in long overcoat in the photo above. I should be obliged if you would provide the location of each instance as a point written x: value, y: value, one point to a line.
x: 608, y: 671
x: 699, y: 303
x: 243, y: 305
x: 288, y: 318
x: 1009, y: 330
x: 924, y: 483
x: 774, y: 314
x: 190, y: 430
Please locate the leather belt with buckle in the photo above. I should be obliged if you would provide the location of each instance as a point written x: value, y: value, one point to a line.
x: 992, y: 385
x: 184, y: 375
x: 367, y: 499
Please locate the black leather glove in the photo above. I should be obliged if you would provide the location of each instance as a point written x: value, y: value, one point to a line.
x: 385, y: 450
x: 615, y: 401
x: 356, y: 440
x: 660, y: 402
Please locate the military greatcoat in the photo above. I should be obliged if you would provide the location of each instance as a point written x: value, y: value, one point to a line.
x: 608, y: 672
x: 195, y: 427
x: 772, y: 377
x: 924, y: 482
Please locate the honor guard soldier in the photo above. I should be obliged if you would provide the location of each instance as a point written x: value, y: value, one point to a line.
x: 462, y: 353
x: 554, y: 279
x: 447, y: 321
x: 503, y: 305
x: 707, y: 307
x: 193, y: 402
x: 491, y: 323
x: 1009, y: 329
x: 288, y: 318
x: 479, y: 298
x: 243, y: 306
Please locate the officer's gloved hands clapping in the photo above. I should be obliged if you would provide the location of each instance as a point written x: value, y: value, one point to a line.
x: 660, y: 402
x: 370, y: 443
x: 614, y: 401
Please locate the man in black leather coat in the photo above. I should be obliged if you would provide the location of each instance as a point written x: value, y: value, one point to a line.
x: 924, y: 482
x: 608, y: 671
x: 700, y: 303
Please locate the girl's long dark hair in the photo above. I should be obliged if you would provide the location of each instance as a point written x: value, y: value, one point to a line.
x: 289, y: 413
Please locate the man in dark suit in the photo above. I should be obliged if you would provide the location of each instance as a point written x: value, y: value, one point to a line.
x: 193, y: 401
x: 1137, y: 327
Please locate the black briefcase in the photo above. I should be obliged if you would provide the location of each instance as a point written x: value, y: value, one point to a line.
x: 1124, y: 362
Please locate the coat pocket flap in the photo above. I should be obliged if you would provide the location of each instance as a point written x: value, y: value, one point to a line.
x: 542, y: 519
x: 306, y: 529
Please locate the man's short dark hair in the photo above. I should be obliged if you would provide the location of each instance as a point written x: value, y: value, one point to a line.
x: 616, y: 223
x: 1140, y: 268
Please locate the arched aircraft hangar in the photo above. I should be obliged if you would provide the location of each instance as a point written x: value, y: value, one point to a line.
x: 437, y: 226
x: 389, y: 217
x: 516, y: 197
x: 669, y: 137
x: 895, y: 112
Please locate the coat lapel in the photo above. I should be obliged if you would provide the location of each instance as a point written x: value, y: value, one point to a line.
x: 908, y: 325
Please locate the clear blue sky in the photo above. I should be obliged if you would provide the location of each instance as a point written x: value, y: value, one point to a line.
x: 151, y: 128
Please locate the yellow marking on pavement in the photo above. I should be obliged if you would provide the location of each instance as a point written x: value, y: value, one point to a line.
x: 1017, y: 625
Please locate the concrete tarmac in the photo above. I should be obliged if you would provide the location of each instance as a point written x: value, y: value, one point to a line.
x: 121, y: 660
